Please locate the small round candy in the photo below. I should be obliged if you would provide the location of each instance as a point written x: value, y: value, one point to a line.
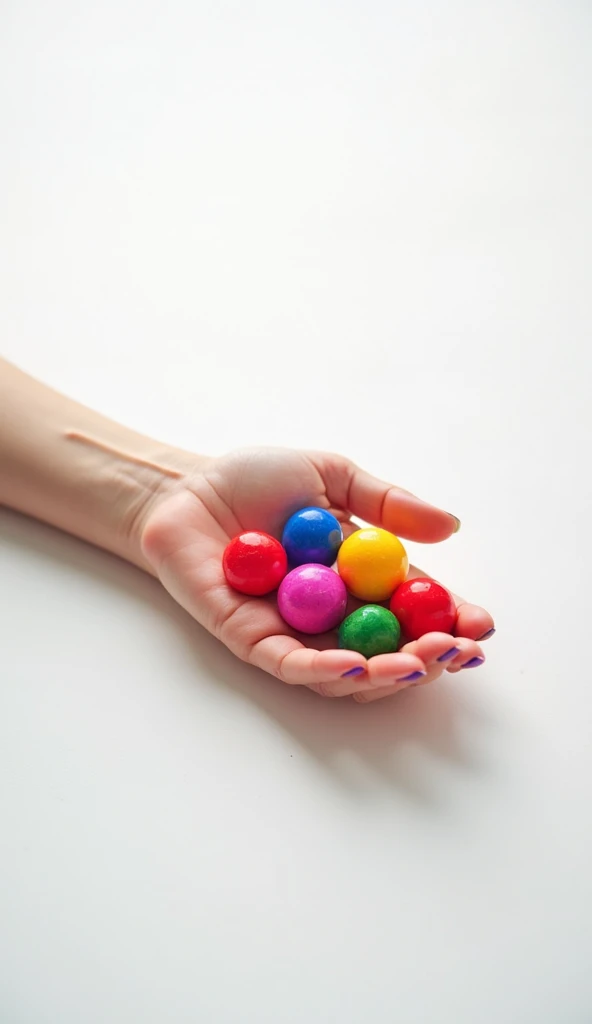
x: 254, y: 563
x: 371, y: 563
x: 312, y: 599
x: 423, y: 606
x: 312, y: 535
x: 370, y: 630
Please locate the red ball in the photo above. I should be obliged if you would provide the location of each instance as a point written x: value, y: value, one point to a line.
x: 255, y: 563
x: 423, y: 606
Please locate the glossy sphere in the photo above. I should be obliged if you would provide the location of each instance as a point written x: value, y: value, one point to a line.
x: 312, y: 535
x: 312, y: 599
x: 254, y: 563
x: 423, y: 606
x: 370, y: 630
x: 372, y: 563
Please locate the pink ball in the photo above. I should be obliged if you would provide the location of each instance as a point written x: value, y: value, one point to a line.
x: 312, y: 598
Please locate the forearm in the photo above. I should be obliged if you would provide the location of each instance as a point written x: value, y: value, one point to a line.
x: 73, y: 468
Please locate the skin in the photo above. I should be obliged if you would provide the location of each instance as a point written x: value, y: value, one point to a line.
x: 172, y: 513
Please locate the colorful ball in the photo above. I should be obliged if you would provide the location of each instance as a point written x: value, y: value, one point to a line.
x: 312, y: 599
x: 371, y: 563
x: 312, y: 535
x: 370, y: 630
x: 254, y: 563
x: 423, y: 606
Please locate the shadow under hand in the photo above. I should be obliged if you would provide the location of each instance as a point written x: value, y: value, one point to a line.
x: 397, y: 738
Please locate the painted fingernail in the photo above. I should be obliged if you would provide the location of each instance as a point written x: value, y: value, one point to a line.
x: 473, y: 663
x: 449, y: 654
x: 411, y: 678
x: 355, y: 671
x: 486, y: 636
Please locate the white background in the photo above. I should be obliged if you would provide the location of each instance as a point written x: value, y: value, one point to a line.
x: 363, y: 226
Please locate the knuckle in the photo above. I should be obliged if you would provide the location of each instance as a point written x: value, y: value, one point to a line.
x: 230, y: 633
x: 279, y: 670
x: 324, y: 689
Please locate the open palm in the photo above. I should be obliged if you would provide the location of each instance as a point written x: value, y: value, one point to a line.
x: 186, y: 532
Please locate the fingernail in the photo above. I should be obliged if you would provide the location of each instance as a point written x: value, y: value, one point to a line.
x: 486, y: 636
x: 355, y: 671
x: 473, y: 663
x: 412, y: 677
x: 449, y: 654
x: 456, y: 522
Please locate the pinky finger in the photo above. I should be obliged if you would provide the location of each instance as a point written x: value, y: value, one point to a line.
x: 287, y: 659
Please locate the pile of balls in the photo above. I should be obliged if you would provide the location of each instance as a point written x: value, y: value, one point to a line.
x: 372, y: 565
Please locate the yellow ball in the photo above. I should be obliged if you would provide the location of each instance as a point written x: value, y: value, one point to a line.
x: 372, y: 563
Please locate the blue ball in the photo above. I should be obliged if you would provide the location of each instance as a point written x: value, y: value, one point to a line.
x: 312, y: 535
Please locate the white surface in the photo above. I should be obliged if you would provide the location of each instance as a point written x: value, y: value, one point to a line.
x: 205, y: 208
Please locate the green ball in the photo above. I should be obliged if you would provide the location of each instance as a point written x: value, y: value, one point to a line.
x: 370, y: 630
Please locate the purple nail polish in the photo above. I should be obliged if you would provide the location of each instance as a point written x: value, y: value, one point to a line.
x: 412, y: 677
x: 355, y: 671
x: 486, y: 636
x: 449, y: 654
x: 473, y: 663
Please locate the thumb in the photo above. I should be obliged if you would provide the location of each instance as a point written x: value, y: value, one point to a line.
x: 381, y: 503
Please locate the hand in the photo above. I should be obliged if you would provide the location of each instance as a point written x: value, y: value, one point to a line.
x: 171, y: 513
x: 183, y: 539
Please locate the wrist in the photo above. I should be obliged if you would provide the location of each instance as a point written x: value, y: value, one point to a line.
x: 119, y: 483
x: 138, y: 484
x: 79, y: 471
